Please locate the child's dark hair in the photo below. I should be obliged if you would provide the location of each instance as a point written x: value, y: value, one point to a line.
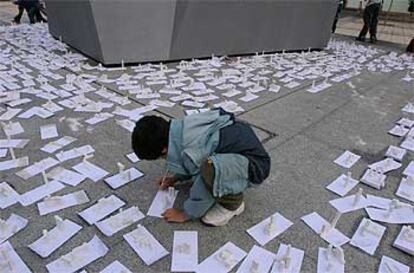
x: 150, y: 136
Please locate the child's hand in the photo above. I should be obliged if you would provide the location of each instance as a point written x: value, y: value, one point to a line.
x: 166, y: 182
x: 175, y: 215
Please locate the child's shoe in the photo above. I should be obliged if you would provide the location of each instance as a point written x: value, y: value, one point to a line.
x: 219, y: 216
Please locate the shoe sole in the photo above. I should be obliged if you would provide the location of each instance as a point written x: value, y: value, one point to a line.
x: 222, y: 223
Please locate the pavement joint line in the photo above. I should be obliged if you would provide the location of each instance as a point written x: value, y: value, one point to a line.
x: 302, y: 131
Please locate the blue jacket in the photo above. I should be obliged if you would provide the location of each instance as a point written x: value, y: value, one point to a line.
x: 197, y: 137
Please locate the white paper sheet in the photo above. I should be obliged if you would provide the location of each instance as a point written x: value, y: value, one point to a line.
x: 119, y: 221
x: 11, y: 260
x: 37, y: 167
x: 389, y: 265
x: 91, y: 171
x: 349, y: 203
x: 13, y: 143
x: 13, y: 128
x: 74, y: 153
x: 405, y: 122
x: 408, y: 144
x: 374, y: 179
x: 258, y: 260
x: 288, y: 259
x: 385, y: 165
x: 406, y: 189
x: 223, y: 260
x: 316, y: 223
x: 48, y: 131
x: 396, y: 152
x: 409, y: 170
x: 163, y: 200
x: 398, y: 130
x: 133, y: 157
x: 9, y: 114
x: 124, y: 178
x: 347, y: 159
x: 56, y: 203
x: 329, y: 265
x: 342, y: 185
x: 51, y: 240
x: 11, y: 226
x: 66, y: 176
x: 14, y: 163
x: 36, y: 194
x: 79, y: 257
x: 405, y: 240
x: 3, y: 153
x: 402, y: 215
x: 8, y: 196
x: 116, y: 267
x: 269, y: 228
x: 145, y: 245
x: 56, y: 145
x: 368, y: 236
x: 185, y: 251
x: 101, y: 209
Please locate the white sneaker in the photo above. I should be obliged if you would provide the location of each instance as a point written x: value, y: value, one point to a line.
x: 219, y: 216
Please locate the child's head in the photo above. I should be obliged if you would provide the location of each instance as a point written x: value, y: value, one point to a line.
x: 150, y: 137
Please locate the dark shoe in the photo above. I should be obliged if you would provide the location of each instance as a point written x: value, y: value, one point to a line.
x: 361, y: 39
x: 373, y: 40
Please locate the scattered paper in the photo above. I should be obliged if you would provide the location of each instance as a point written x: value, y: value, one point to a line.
x: 389, y: 265
x: 145, y: 245
x: 368, y: 236
x: 115, y: 267
x: 258, y: 260
x: 270, y: 228
x: 288, y: 259
x: 223, y: 260
x: 347, y: 159
x: 91, y: 171
x: 101, y: 209
x: 123, y: 178
x: 342, y: 185
x: 405, y: 240
x: 163, y: 200
x: 123, y: 219
x: 54, y: 238
x: 36, y: 194
x: 48, y: 131
x: 8, y: 196
x: 185, y: 251
x: 11, y: 226
x: 79, y: 257
x: 57, y: 203
x: 11, y: 261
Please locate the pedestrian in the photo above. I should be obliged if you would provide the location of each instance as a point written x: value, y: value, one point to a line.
x: 18, y: 17
x: 221, y: 155
x: 341, y: 5
x: 371, y: 14
x: 32, y: 8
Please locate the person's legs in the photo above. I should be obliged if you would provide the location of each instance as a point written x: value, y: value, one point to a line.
x: 31, y: 11
x: 374, y: 22
x: 19, y: 15
x: 229, y: 201
x: 226, y: 178
x: 365, y: 28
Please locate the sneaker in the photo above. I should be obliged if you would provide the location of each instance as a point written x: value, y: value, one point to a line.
x: 219, y: 216
x: 361, y: 39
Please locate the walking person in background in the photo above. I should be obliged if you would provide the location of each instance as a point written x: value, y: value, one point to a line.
x: 32, y: 8
x: 18, y: 17
x: 371, y: 14
x: 341, y: 6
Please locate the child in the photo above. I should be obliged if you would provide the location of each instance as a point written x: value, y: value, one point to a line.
x: 221, y: 155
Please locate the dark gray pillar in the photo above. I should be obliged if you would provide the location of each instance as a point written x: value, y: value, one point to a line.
x: 157, y: 30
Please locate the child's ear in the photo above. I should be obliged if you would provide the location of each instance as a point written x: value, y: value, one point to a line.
x: 164, y: 150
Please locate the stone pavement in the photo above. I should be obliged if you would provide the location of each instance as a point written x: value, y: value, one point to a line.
x: 303, y: 133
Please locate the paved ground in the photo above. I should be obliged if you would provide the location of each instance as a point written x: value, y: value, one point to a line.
x: 303, y: 133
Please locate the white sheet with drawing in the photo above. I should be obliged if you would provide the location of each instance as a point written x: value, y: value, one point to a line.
x: 57, y: 203
x: 101, y: 209
x: 11, y: 226
x: 119, y: 221
x: 51, y: 240
x: 185, y: 251
x: 79, y: 257
x: 269, y: 228
x: 145, y: 245
x: 30, y: 197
